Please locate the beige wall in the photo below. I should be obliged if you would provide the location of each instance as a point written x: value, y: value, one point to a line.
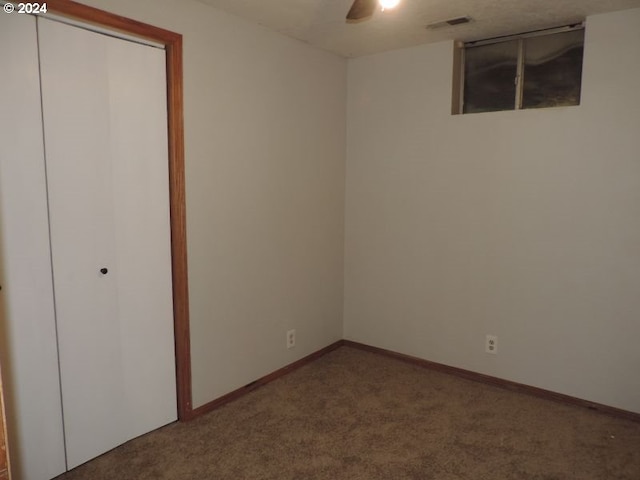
x: 522, y: 224
x: 265, y: 151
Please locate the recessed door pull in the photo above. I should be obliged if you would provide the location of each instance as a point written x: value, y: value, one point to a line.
x: 104, y: 271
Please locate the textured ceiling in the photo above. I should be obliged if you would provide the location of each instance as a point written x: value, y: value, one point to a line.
x: 321, y: 22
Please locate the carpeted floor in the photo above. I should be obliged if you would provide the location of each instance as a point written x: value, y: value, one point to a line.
x: 360, y: 416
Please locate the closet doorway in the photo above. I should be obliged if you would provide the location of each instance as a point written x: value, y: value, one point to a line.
x: 97, y: 281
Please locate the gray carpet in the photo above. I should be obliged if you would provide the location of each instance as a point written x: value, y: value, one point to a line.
x: 358, y: 415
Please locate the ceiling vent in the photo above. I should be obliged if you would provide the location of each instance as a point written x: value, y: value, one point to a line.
x: 449, y: 23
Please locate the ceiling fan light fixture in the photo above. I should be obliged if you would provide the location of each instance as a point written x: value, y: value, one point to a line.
x: 362, y: 10
x: 387, y: 4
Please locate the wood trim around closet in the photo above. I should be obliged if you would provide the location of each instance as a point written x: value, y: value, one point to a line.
x: 173, y: 48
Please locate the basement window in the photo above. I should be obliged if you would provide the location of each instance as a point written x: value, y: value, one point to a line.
x: 532, y: 70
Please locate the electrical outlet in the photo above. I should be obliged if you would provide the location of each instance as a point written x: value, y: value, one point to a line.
x: 291, y: 338
x: 491, y: 344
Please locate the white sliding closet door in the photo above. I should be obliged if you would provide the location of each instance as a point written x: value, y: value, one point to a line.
x: 105, y: 129
x: 27, y: 322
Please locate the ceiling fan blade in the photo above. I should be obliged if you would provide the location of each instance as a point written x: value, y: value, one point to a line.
x: 361, y: 10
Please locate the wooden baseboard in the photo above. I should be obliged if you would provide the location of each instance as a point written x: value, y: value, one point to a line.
x: 439, y: 367
x: 507, y: 384
x: 218, y: 402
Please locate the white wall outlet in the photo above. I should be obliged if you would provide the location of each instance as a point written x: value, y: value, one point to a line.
x: 491, y: 344
x: 291, y: 338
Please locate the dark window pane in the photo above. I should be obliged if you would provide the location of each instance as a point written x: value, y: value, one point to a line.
x: 489, y: 77
x: 553, y: 70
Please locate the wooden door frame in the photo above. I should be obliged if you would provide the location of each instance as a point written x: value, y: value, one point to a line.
x: 173, y: 47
